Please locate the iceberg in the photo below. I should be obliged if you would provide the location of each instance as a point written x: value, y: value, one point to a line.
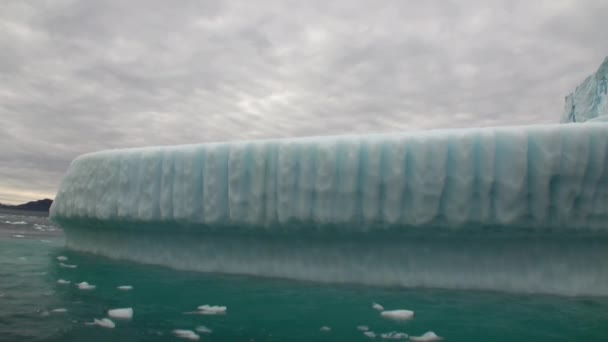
x: 540, y: 177
x: 589, y: 102
x: 518, y: 209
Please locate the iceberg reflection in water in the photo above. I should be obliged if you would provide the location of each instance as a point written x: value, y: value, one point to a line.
x: 564, y: 265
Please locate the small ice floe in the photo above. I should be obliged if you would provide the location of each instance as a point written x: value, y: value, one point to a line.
x: 208, y: 310
x: 394, y: 335
x: 45, y: 241
x: 186, y: 334
x: 63, y: 282
x: 325, y: 329
x: 428, y: 336
x: 370, y: 334
x: 104, y: 323
x: 203, y: 329
x: 125, y: 288
x: 67, y: 265
x: 15, y: 222
x: 398, y: 315
x: 213, y: 308
x: 19, y: 236
x: 377, y: 306
x: 62, y: 258
x: 38, y: 227
x: 85, y: 286
x: 122, y: 313
x: 60, y: 310
x: 362, y: 328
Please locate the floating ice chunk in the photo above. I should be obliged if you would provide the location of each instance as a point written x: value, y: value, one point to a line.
x: 85, y: 286
x: 60, y: 310
x: 62, y: 258
x: 213, y: 308
x: 67, y: 265
x: 203, y: 329
x: 104, y: 322
x: 209, y: 310
x: 45, y: 241
x: 325, y: 329
x: 370, y: 334
x: 63, y: 282
x: 394, y: 335
x: 16, y: 222
x: 122, y: 313
x: 187, y: 334
x: 125, y: 288
x: 398, y: 315
x: 18, y: 236
x: 428, y: 336
x: 377, y: 306
x: 362, y: 328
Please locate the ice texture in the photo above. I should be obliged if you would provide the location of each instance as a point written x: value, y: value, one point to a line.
x: 546, y: 176
x: 589, y: 102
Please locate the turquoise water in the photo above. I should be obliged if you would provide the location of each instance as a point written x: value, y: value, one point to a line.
x: 259, y: 309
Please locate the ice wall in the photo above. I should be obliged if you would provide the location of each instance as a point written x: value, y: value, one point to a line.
x: 590, y: 99
x: 545, y: 177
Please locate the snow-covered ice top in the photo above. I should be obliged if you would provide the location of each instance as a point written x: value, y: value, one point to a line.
x: 590, y: 99
x: 546, y: 176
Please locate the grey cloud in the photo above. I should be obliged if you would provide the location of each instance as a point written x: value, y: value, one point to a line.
x: 80, y: 76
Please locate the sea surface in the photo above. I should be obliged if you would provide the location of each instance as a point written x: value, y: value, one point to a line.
x: 258, y: 309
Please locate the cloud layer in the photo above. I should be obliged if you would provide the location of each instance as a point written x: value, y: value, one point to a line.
x: 80, y: 76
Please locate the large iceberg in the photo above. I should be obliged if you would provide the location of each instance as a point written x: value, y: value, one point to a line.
x: 590, y: 99
x: 521, y: 209
x: 540, y: 177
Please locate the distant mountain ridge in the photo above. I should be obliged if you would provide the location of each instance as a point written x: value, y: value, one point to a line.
x: 40, y: 205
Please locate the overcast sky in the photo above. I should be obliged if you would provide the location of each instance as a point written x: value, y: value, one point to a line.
x: 81, y: 76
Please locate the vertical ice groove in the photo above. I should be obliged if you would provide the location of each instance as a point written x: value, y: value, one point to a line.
x: 544, y: 150
x: 593, y: 174
x: 270, y: 188
x: 215, y: 184
x: 166, y: 186
x: 148, y: 205
x: 459, y: 179
x: 510, y: 196
x: 427, y: 160
x: 345, y: 203
x: 286, y: 181
x: 394, y: 180
x: 370, y: 180
x: 307, y: 172
x: 256, y: 182
x: 599, y: 194
x: 325, y: 180
x: 237, y: 182
x: 573, y: 165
